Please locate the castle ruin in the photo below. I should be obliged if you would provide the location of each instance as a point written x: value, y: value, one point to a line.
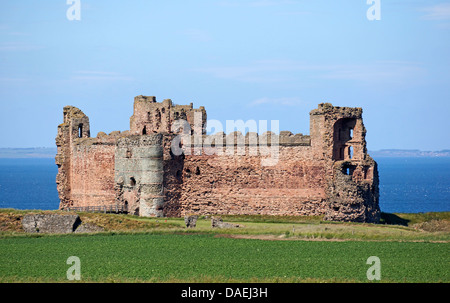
x: 325, y: 173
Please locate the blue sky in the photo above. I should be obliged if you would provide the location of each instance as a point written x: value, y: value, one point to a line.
x: 255, y: 59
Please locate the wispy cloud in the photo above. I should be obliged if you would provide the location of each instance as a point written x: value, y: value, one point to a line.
x: 10, y: 80
x: 7, y: 30
x: 197, y: 35
x: 270, y: 2
x: 277, y: 101
x: 99, y: 76
x: 18, y: 46
x: 18, y: 34
x: 255, y: 3
x: 376, y: 72
x: 437, y: 12
x: 272, y: 71
x: 262, y: 71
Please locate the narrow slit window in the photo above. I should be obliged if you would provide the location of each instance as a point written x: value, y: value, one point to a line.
x: 144, y: 131
x: 158, y: 118
x: 350, y: 152
x: 351, y: 133
x: 80, y: 131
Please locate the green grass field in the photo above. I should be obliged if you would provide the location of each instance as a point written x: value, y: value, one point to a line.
x: 264, y: 250
x: 158, y: 258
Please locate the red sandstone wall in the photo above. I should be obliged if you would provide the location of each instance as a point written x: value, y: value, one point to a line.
x: 241, y: 185
x: 92, y: 181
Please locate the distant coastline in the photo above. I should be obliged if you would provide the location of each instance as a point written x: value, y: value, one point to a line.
x: 32, y: 152
x: 50, y: 152
x: 414, y: 153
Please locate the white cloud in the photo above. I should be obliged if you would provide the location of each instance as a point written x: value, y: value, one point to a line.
x: 437, y: 12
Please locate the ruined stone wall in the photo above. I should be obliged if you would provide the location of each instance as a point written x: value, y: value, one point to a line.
x: 211, y: 182
x: 85, y: 165
x: 92, y: 170
x: 352, y: 189
x: 151, y: 117
x: 328, y: 172
x: 153, y: 171
x: 353, y: 192
x: 75, y: 125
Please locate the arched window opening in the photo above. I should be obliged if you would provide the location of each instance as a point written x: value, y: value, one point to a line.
x: 343, y: 131
x: 197, y: 171
x: 350, y: 152
x: 132, y: 181
x: 144, y: 131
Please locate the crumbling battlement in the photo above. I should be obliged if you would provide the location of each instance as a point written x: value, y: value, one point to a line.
x: 166, y: 165
x: 150, y: 116
x: 285, y: 138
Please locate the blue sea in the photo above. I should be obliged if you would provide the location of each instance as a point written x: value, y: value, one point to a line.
x: 407, y: 185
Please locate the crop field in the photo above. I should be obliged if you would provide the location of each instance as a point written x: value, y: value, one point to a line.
x: 172, y: 257
x: 263, y: 249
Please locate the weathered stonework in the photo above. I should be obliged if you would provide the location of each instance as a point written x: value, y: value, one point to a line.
x: 190, y: 221
x: 326, y: 173
x: 57, y: 224
x: 218, y: 223
x: 50, y: 223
